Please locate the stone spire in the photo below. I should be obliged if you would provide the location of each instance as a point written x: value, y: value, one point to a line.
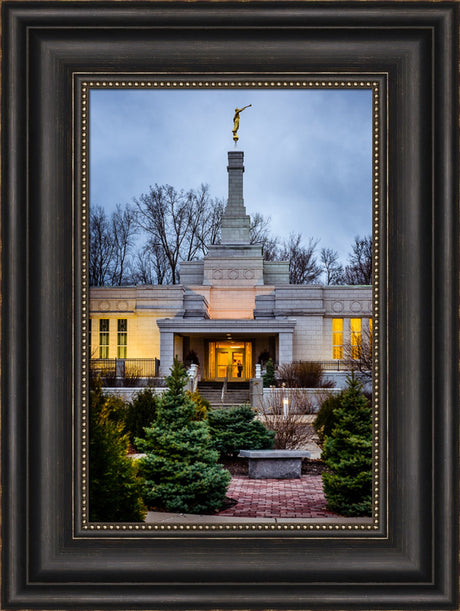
x: 235, y: 221
x: 234, y: 262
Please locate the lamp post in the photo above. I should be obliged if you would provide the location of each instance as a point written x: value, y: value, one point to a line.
x: 285, y: 407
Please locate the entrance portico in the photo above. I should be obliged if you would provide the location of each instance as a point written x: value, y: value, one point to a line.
x: 222, y: 357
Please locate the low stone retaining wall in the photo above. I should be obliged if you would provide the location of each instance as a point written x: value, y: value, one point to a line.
x: 261, y: 398
x: 129, y: 393
x: 302, y: 400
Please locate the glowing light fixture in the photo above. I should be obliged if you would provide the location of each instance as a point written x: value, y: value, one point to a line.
x: 285, y: 407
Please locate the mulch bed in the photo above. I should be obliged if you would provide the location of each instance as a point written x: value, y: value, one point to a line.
x: 239, y: 466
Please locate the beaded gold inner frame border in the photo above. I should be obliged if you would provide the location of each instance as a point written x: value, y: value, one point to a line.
x: 377, y: 83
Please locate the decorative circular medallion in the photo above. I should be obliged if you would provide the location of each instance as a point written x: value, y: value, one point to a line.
x: 233, y: 274
x: 217, y: 274
x: 248, y: 274
x: 104, y: 305
x: 355, y: 306
x: 337, y: 306
x: 122, y: 305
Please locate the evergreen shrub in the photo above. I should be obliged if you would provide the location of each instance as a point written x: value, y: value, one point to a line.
x: 326, y: 418
x: 269, y: 377
x: 114, y: 487
x: 348, y: 455
x: 140, y: 413
x: 180, y: 469
x: 235, y: 429
x: 202, y: 405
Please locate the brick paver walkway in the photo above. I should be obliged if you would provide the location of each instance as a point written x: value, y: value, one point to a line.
x: 277, y: 498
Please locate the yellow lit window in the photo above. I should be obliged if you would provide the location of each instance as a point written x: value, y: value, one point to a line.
x: 122, y: 338
x: 104, y: 338
x: 370, y: 336
x: 355, y: 337
x: 337, y: 338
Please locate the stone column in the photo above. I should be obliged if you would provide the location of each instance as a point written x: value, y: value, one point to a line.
x: 256, y: 393
x: 166, y: 352
x: 285, y: 347
x: 346, y: 333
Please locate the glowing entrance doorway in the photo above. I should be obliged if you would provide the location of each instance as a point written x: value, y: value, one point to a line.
x: 231, y: 360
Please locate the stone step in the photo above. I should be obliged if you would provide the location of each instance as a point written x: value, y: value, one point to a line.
x: 240, y: 397
x: 237, y: 393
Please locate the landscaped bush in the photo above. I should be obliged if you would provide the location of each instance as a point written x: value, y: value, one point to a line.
x: 236, y: 429
x: 348, y: 455
x: 180, y: 467
x: 291, y: 430
x: 305, y: 374
x: 326, y: 418
x: 115, y: 407
x: 269, y: 377
x: 114, y: 488
x: 287, y: 375
x: 140, y: 413
x: 310, y: 375
x: 202, y: 405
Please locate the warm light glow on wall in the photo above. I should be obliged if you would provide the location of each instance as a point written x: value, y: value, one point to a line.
x: 370, y: 336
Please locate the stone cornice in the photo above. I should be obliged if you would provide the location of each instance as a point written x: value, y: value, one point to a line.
x: 223, y: 325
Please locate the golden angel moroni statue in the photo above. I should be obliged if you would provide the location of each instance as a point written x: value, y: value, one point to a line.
x: 236, y: 121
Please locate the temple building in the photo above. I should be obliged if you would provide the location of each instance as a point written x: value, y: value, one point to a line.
x: 230, y: 308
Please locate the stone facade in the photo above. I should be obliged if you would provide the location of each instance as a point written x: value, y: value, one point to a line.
x: 231, y: 302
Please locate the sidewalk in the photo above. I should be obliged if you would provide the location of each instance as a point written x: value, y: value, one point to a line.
x: 278, y: 498
x: 267, y: 501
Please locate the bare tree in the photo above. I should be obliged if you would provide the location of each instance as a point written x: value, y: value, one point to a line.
x: 150, y: 266
x: 212, y: 235
x: 143, y: 268
x: 205, y: 221
x: 163, y: 214
x: 331, y: 268
x: 303, y: 268
x: 357, y: 354
x: 292, y: 432
x: 259, y: 233
x: 359, y: 268
x: 259, y: 228
x: 124, y: 229
x: 270, y: 249
x: 101, y: 247
x: 178, y: 224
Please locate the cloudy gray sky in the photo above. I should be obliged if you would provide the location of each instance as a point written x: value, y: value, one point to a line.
x: 308, y: 153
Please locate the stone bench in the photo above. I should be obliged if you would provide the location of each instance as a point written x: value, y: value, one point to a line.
x: 275, y: 464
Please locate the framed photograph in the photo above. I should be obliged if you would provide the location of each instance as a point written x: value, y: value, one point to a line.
x: 94, y: 92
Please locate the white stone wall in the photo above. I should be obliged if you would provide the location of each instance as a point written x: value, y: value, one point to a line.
x: 308, y: 339
x: 312, y: 307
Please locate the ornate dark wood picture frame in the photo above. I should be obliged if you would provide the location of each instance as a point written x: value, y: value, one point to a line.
x: 51, y: 557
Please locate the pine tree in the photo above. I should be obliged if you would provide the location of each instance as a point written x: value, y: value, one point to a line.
x: 348, y: 454
x: 180, y: 467
x: 114, y: 488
